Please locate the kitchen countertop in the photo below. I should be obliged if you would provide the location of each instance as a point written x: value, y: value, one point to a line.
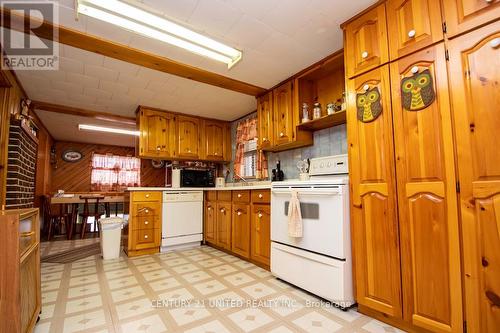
x: 251, y: 186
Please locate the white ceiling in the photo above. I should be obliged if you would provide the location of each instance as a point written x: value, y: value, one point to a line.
x: 65, y: 128
x: 278, y: 38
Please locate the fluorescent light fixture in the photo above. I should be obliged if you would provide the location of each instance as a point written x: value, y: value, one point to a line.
x: 140, y: 21
x: 108, y: 129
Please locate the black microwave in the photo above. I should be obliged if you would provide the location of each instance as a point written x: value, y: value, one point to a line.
x: 197, y: 178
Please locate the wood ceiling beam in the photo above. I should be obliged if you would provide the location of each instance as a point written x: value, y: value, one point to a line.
x: 83, y: 113
x: 122, y: 52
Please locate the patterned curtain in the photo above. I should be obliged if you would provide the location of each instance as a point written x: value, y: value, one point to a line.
x: 114, y: 173
x: 246, y: 130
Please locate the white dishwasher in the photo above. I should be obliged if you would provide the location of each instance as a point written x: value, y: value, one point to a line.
x: 182, y: 219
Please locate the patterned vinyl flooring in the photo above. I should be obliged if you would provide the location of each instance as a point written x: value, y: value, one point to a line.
x: 200, y: 290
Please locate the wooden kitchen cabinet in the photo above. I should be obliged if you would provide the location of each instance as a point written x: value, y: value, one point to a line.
x: 20, y: 295
x: 265, y: 123
x: 283, y: 114
x: 188, y: 131
x: 260, y: 233
x: 210, y: 225
x: 224, y: 224
x: 412, y: 25
x: 374, y: 220
x: 216, y: 141
x: 157, y: 134
x: 474, y: 77
x: 427, y: 199
x: 366, y: 42
x: 144, y: 227
x: 465, y: 15
x: 241, y: 230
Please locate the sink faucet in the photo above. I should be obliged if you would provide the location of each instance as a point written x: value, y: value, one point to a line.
x: 241, y: 178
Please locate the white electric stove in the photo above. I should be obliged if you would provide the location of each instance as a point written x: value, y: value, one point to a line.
x: 320, y: 261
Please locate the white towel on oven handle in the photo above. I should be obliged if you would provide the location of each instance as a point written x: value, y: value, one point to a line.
x: 294, y: 216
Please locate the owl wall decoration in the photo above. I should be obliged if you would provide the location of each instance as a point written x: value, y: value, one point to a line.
x: 417, y: 91
x: 368, y: 105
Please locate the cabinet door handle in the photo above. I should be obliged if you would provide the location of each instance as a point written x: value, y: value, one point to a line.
x: 264, y: 139
x: 145, y: 236
x: 364, y: 54
x: 411, y: 33
x: 209, y: 208
x: 222, y: 210
x: 282, y: 134
x: 238, y: 212
x: 146, y: 222
x: 158, y: 148
x: 147, y: 195
x: 260, y: 215
x: 239, y: 195
x: 495, y: 42
x: 260, y: 196
x: 216, y: 154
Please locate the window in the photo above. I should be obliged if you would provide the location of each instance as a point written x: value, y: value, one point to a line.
x: 114, y: 173
x: 249, y: 161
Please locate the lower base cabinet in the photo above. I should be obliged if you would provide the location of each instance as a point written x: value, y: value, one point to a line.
x: 241, y: 226
x: 144, y: 228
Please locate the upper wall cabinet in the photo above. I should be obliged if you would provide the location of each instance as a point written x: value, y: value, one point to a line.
x: 412, y: 25
x: 283, y: 114
x: 157, y: 138
x: 265, y: 123
x: 188, y: 129
x: 366, y: 42
x: 465, y: 15
x: 170, y: 136
x: 216, y: 140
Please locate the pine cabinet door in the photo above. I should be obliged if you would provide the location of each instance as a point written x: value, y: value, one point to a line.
x: 283, y: 114
x: 224, y: 225
x: 474, y: 76
x: 366, y: 42
x: 427, y: 198
x: 412, y: 25
x: 188, y: 136
x: 157, y: 138
x: 260, y: 234
x: 465, y: 15
x: 265, y: 121
x: 210, y: 222
x: 241, y: 230
x: 374, y: 221
x: 214, y: 140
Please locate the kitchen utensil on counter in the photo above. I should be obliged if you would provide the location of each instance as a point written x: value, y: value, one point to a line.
x: 220, y: 182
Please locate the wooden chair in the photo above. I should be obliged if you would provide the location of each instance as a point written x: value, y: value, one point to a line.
x: 52, y: 219
x: 96, y: 213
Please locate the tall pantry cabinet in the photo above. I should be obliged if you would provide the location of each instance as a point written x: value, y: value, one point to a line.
x: 474, y: 72
x: 424, y: 168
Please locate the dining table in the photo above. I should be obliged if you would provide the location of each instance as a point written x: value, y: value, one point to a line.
x: 70, y: 203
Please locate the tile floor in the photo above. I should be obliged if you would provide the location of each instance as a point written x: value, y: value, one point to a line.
x: 198, y: 290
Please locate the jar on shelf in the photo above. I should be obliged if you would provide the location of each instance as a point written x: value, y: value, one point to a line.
x: 317, y: 110
x: 305, y: 112
x: 330, y: 108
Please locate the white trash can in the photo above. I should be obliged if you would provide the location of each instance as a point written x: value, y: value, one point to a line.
x: 111, y: 236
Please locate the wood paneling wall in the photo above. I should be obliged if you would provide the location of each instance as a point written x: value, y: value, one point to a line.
x: 75, y: 177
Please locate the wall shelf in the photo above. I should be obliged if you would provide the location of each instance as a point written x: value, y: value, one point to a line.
x: 335, y: 119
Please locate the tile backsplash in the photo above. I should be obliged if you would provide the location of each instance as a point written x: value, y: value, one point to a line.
x: 330, y: 141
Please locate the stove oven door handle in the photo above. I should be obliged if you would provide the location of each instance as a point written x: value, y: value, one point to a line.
x: 308, y: 191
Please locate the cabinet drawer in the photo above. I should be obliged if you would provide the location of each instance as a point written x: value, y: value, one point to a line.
x: 140, y: 209
x: 145, y: 239
x: 261, y: 196
x: 146, y: 196
x: 241, y: 196
x: 27, y: 234
x: 366, y: 42
x: 145, y: 222
x: 224, y: 195
x: 211, y: 196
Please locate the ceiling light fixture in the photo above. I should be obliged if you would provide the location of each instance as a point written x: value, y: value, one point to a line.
x: 140, y: 21
x: 108, y: 130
